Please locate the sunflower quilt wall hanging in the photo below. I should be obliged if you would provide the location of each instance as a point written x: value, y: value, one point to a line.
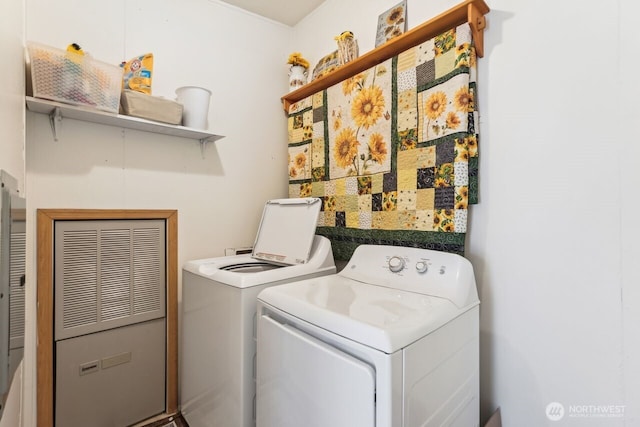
x: 393, y: 151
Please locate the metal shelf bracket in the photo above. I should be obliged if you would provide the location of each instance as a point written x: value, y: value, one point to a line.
x: 203, y: 145
x: 55, y: 119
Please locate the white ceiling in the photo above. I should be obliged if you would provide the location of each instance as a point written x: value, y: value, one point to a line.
x: 288, y: 12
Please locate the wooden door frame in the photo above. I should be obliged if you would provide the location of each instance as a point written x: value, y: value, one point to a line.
x: 45, y: 310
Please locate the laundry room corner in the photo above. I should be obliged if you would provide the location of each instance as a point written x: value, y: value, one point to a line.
x: 501, y: 148
x: 96, y: 166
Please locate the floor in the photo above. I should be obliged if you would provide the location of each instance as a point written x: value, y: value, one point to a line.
x: 172, y: 421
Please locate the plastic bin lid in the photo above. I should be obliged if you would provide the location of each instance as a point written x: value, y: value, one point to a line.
x: 286, y: 230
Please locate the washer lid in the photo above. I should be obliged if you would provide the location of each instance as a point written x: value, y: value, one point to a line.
x: 379, y: 317
x: 286, y: 230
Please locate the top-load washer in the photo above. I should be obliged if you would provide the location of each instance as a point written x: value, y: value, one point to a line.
x: 218, y: 328
x: 392, y: 340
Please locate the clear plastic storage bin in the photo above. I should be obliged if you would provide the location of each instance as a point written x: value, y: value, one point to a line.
x: 75, y: 79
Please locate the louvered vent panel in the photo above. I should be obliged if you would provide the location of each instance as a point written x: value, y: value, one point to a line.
x: 147, y: 284
x: 80, y: 275
x: 115, y: 274
x: 16, y: 297
x: 108, y: 274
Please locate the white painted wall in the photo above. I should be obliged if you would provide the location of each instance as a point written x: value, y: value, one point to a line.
x: 553, y: 240
x: 626, y: 171
x: 12, y: 415
x: 12, y: 94
x: 240, y: 57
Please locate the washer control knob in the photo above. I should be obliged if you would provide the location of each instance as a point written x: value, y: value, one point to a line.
x: 396, y: 263
x: 421, y: 266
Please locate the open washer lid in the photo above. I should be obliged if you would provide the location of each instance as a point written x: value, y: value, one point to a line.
x: 286, y: 230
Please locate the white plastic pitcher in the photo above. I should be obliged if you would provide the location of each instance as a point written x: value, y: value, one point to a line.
x: 195, y: 101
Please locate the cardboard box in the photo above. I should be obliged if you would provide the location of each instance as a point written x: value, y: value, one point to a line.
x: 149, y: 107
x: 495, y: 420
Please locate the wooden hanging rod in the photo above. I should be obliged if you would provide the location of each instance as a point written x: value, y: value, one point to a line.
x: 471, y: 11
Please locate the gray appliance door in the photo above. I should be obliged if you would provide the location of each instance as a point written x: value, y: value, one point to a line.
x: 111, y: 378
x: 302, y: 381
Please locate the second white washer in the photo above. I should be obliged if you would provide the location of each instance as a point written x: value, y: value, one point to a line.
x: 392, y: 340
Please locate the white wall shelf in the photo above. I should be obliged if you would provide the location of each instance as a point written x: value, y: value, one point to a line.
x: 57, y: 111
x: 471, y: 11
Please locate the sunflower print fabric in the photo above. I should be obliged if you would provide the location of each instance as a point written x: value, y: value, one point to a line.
x: 393, y: 151
x: 359, y: 124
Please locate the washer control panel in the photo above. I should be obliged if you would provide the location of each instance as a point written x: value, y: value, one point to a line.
x: 417, y: 270
x: 398, y: 263
x: 422, y: 266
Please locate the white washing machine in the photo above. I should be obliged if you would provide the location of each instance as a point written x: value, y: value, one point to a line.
x: 392, y: 340
x: 218, y: 328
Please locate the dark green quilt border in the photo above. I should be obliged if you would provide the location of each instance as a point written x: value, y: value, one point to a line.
x: 395, y: 139
x: 440, y: 80
x: 325, y: 114
x: 345, y: 240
